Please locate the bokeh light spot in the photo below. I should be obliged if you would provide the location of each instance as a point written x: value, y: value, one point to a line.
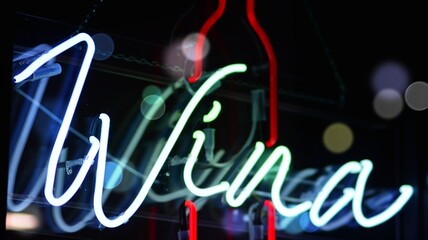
x: 416, y: 96
x: 233, y: 217
x: 293, y: 227
x: 338, y: 137
x: 151, y: 90
x: 188, y: 47
x: 152, y: 107
x: 29, y: 219
x: 113, y: 175
x: 388, y: 104
x: 174, y: 58
x: 104, y: 46
x: 305, y: 223
x: 390, y: 75
x: 128, y: 180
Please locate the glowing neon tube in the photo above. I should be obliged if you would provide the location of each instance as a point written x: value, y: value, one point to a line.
x: 44, y: 58
x: 69, y: 193
x: 187, y: 173
x: 122, y: 218
x: 99, y: 147
x: 199, y: 46
x: 185, y: 191
x: 82, y: 37
x: 276, y: 189
x: 271, y: 231
x: 215, y: 110
x: 280, y: 153
x: 273, y: 75
x: 406, y: 192
x: 193, y: 220
x: 57, y: 210
x: 348, y: 194
x: 239, y: 179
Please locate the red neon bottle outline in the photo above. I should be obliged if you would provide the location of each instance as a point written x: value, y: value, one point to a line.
x: 200, y: 40
x: 271, y: 220
x: 273, y: 77
x: 192, y: 219
x: 273, y: 100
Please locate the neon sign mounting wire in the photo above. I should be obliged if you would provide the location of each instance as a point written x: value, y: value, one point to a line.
x: 273, y: 75
x: 256, y: 231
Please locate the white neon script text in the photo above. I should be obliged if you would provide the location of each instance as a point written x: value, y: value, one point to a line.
x: 280, y: 153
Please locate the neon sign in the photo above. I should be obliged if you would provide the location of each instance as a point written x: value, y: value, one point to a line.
x: 235, y: 194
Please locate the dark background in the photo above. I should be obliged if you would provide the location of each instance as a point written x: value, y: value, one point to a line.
x: 326, y: 53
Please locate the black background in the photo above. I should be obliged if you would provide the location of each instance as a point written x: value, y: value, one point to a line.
x: 326, y: 52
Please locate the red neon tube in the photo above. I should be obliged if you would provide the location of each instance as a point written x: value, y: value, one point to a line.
x: 273, y: 121
x: 271, y: 220
x: 197, y: 72
x: 200, y: 40
x: 192, y: 219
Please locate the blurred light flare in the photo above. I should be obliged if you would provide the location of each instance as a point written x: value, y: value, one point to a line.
x: 188, y: 47
x: 388, y: 104
x: 104, y: 46
x: 338, y: 137
x: 113, y: 175
x: 153, y: 102
x: 306, y: 224
x: 416, y: 96
x: 151, y: 90
x: 22, y: 221
x: 390, y: 75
